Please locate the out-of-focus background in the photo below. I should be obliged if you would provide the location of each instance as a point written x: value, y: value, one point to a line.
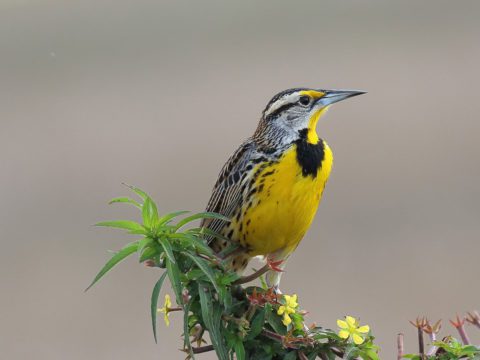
x: 159, y: 93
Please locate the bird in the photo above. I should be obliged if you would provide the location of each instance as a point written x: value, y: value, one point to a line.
x: 271, y: 187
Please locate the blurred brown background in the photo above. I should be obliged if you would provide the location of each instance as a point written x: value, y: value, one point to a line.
x: 159, y: 93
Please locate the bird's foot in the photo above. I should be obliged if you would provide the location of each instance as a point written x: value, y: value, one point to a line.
x: 275, y: 265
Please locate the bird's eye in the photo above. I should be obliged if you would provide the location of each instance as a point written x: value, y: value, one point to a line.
x: 305, y: 100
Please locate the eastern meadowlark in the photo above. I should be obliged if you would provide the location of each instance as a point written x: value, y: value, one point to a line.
x: 271, y: 186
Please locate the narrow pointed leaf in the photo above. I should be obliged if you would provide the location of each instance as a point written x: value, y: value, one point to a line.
x: 202, y: 215
x: 239, y: 350
x: 186, y: 336
x: 125, y: 200
x: 208, y: 232
x: 212, y: 318
x: 203, y: 265
x: 154, y: 303
x: 167, y: 247
x: 119, y: 256
x: 138, y: 191
x: 174, y: 276
x: 224, y: 254
x: 148, y: 253
x: 194, y: 241
x: 122, y: 224
x: 149, y: 213
x: 143, y: 243
x: 167, y: 218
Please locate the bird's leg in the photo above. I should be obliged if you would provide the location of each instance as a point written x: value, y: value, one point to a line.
x: 274, y: 266
x: 276, y: 263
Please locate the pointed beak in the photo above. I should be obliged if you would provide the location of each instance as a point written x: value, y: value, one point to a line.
x: 333, y: 96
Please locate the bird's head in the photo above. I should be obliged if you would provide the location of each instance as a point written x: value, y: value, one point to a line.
x: 295, y: 112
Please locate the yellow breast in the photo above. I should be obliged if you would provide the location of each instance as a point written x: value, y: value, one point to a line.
x: 285, y: 204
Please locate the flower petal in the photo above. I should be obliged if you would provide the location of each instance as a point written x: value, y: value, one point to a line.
x: 342, y: 324
x: 281, y: 310
x: 344, y: 334
x: 287, y: 320
x: 166, y: 319
x: 293, y: 301
x: 351, y: 321
x: 357, y: 339
x: 168, y: 301
x: 290, y: 310
x: 364, y: 329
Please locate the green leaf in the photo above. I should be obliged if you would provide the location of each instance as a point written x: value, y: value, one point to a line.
x: 167, y: 218
x: 186, y: 336
x: 239, y: 350
x: 212, y: 318
x: 228, y: 278
x: 126, y: 200
x: 229, y: 250
x: 167, y: 247
x: 256, y: 326
x: 470, y: 348
x: 372, y: 354
x: 174, y: 276
x: 275, y: 320
x: 193, y: 241
x: 123, y: 224
x: 147, y: 254
x: 149, y: 213
x: 202, y: 215
x: 263, y: 282
x: 201, y: 231
x: 297, y: 321
x: 116, y: 258
x: 154, y: 303
x: 204, y: 266
x: 143, y: 243
x: 138, y: 191
x: 292, y: 355
x: 350, y: 352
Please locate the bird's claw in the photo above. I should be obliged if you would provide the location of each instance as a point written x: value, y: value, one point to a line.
x: 275, y: 264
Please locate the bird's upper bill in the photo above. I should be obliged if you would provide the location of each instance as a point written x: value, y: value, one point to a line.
x: 329, y: 97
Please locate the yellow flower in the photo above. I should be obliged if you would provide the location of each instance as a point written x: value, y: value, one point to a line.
x: 288, y: 308
x: 351, y: 329
x: 166, y: 309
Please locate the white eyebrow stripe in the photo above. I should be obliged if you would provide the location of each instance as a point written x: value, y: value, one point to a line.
x: 287, y: 99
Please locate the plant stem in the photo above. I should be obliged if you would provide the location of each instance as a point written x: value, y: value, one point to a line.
x: 400, y: 346
x: 421, y: 344
x: 175, y: 309
x: 251, y: 277
x: 463, y: 334
x: 272, y: 335
x: 202, y: 349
